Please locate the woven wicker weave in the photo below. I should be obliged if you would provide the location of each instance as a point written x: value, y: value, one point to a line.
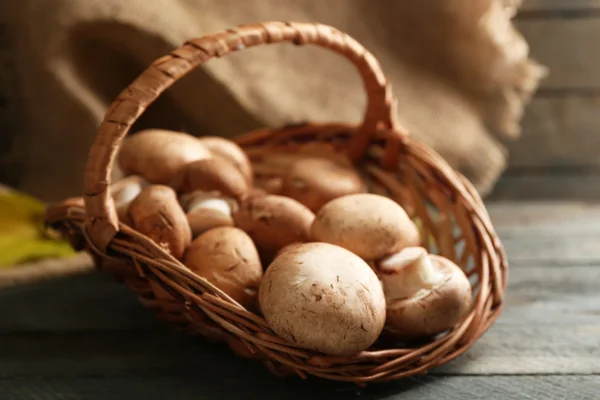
x: 451, y: 215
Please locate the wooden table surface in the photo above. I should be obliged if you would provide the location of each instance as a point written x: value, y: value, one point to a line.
x: 86, y: 337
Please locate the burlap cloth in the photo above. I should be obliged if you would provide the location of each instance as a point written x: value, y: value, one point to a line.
x: 459, y: 69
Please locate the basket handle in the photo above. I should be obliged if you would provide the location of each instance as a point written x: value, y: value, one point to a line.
x: 102, y: 224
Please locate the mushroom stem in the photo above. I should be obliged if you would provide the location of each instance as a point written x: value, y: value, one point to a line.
x: 210, y: 203
x: 207, y: 210
x: 208, y: 200
x: 408, y: 272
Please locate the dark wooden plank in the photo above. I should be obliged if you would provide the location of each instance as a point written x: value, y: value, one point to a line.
x: 548, y: 184
x: 209, y: 385
x: 86, y: 302
x: 548, y: 233
x: 552, y: 250
x: 45, y: 269
x: 550, y: 324
x: 559, y: 130
x: 552, y: 217
x: 520, y: 343
x: 560, y: 5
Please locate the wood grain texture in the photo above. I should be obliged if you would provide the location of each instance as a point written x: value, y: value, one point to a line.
x: 549, y: 216
x: 546, y: 233
x: 567, y: 46
x: 548, y: 183
x: 559, y: 5
x: 559, y: 250
x: 206, y: 385
x: 559, y: 131
x: 551, y: 324
x: 87, y: 337
x: 40, y: 270
x: 79, y: 303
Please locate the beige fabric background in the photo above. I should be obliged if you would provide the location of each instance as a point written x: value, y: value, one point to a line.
x: 459, y: 69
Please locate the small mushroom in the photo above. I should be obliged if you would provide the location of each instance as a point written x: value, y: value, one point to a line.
x: 369, y: 225
x: 322, y: 297
x: 211, y: 174
x: 155, y: 212
x: 227, y: 258
x: 273, y: 222
x: 426, y: 294
x: 230, y: 151
x: 207, y: 210
x: 314, y: 181
x: 157, y: 155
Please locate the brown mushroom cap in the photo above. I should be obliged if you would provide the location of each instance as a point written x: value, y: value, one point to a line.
x: 156, y: 213
x: 230, y: 151
x: 315, y: 181
x: 273, y: 222
x: 369, y: 225
x: 323, y: 297
x: 211, y: 174
x: 157, y: 154
x: 227, y: 258
x: 426, y: 294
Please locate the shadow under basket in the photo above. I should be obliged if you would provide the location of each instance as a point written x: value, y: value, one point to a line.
x: 449, y: 212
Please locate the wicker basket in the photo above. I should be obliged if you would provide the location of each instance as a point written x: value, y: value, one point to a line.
x: 451, y: 215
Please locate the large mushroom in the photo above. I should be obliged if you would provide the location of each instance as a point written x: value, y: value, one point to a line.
x: 425, y: 294
x: 228, y: 259
x: 157, y: 155
x: 369, y: 225
x: 322, y: 297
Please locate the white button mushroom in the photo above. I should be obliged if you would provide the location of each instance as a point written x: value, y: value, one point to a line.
x: 315, y: 181
x: 369, y: 225
x: 230, y: 151
x: 227, y: 258
x: 426, y: 294
x: 157, y: 155
x: 211, y: 174
x: 207, y: 210
x: 322, y: 297
x: 273, y: 222
x: 156, y: 213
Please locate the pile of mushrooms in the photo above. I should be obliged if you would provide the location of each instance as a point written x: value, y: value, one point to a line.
x: 295, y: 237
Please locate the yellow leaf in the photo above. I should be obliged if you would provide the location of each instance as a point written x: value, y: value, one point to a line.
x: 22, y: 233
